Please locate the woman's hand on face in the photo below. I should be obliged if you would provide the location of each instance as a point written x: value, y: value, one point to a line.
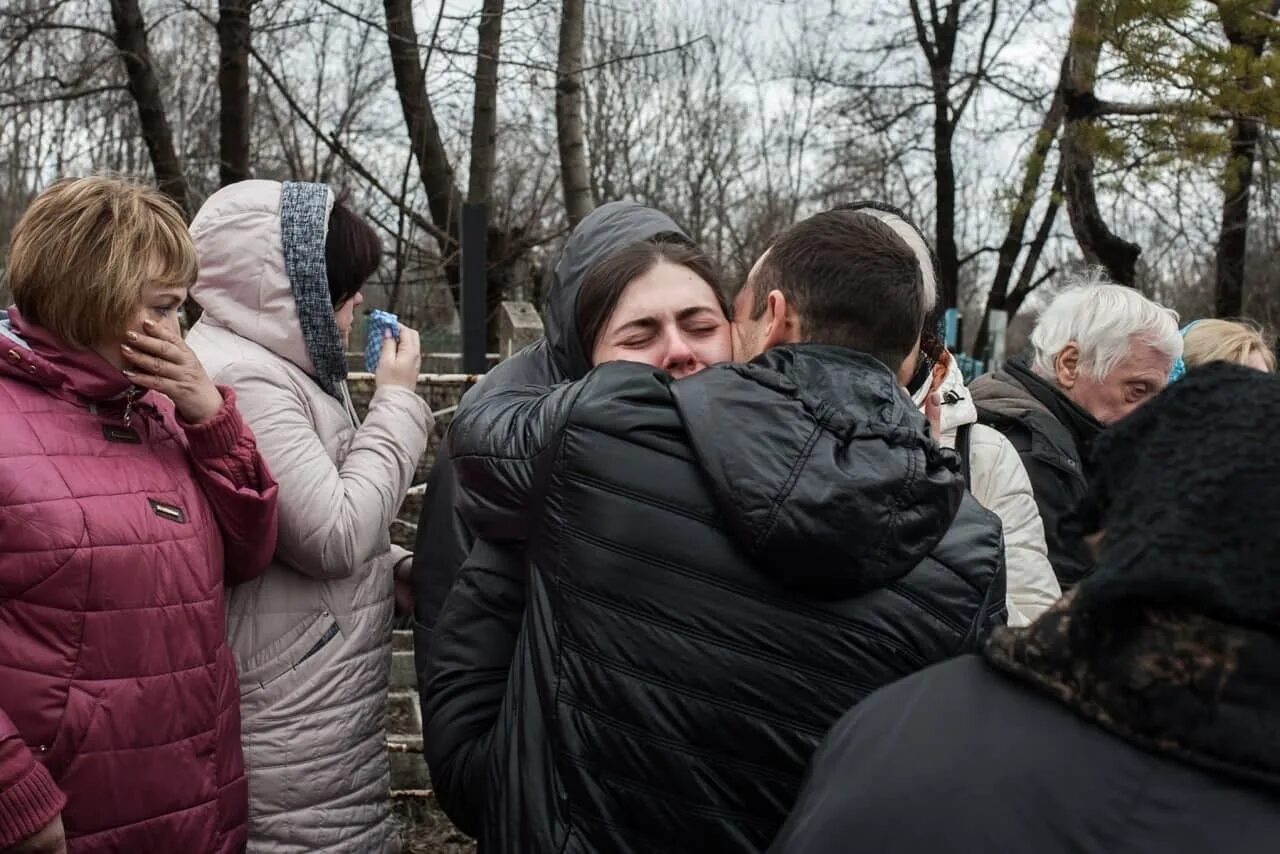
x: 163, y: 362
x: 400, y: 361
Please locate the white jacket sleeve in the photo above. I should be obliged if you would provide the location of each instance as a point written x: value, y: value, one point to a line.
x: 1000, y: 484
x: 333, y: 519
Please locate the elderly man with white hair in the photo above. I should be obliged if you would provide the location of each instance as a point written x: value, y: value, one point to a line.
x: 1098, y: 352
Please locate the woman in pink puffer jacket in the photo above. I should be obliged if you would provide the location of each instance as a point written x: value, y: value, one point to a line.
x: 131, y: 491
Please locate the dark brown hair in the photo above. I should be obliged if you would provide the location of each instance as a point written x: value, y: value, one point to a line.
x: 604, y: 283
x: 853, y: 282
x: 352, y: 252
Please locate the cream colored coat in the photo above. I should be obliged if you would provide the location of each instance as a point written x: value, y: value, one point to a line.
x: 311, y: 636
x: 1000, y: 483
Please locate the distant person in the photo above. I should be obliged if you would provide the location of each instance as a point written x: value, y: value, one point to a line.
x: 131, y: 494
x: 281, y: 272
x: 1239, y: 341
x: 1138, y: 715
x: 720, y: 563
x: 1098, y: 352
x: 992, y: 469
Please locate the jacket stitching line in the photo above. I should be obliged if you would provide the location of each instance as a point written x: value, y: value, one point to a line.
x: 685, y: 691
x: 766, y: 528
x: 685, y: 804
x: 709, y: 756
x: 690, y: 632
x: 795, y: 606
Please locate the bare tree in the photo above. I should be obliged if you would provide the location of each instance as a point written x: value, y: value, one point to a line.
x: 234, y: 123
x: 484, y: 126
x: 444, y: 200
x: 1247, y: 34
x: 575, y: 176
x: 1099, y: 244
x: 144, y: 85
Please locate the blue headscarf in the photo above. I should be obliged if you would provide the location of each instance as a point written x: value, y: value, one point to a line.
x: 1179, y: 369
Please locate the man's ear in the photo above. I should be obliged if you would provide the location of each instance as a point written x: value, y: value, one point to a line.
x: 1066, y: 366
x: 783, y: 326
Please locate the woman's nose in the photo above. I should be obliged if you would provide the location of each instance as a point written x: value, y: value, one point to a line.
x: 680, y: 359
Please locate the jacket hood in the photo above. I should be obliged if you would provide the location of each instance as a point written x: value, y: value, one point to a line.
x: 822, y: 468
x: 606, y: 230
x: 1002, y: 394
x: 32, y: 354
x: 958, y: 409
x: 263, y: 274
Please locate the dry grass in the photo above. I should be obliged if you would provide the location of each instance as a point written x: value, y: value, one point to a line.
x: 424, y: 829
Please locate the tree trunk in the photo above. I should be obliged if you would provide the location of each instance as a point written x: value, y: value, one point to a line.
x: 1098, y: 243
x: 444, y: 201
x: 945, y: 220
x: 234, y: 121
x: 1012, y: 246
x: 131, y: 41
x: 1237, y: 175
x: 484, y: 126
x: 1237, y: 181
x: 574, y: 175
x: 484, y: 132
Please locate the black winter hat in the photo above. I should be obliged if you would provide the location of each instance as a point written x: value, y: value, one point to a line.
x: 1187, y: 494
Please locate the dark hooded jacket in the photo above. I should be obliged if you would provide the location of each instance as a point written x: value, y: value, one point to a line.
x: 1136, y: 716
x: 1053, y: 437
x: 467, y: 691
x: 718, y: 567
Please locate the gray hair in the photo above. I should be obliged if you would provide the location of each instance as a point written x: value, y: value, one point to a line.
x: 1103, y: 320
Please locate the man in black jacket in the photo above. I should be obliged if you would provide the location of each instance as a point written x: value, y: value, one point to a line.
x: 1099, y: 351
x: 718, y: 566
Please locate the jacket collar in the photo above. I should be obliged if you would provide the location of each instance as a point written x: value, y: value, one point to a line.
x: 31, y: 353
x: 1082, y: 426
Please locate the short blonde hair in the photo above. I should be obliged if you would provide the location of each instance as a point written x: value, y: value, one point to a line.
x: 1226, y: 341
x: 84, y: 248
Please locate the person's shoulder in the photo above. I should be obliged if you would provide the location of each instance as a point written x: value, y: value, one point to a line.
x: 624, y: 390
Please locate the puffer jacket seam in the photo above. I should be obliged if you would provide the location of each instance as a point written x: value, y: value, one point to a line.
x: 901, y: 589
x: 557, y: 748
x: 740, y: 765
x: 581, y: 593
x: 639, y: 497
x: 720, y: 583
x: 818, y: 615
x: 766, y: 527
x: 683, y: 690
x: 622, y: 831
x: 899, y: 506
x: 702, y: 810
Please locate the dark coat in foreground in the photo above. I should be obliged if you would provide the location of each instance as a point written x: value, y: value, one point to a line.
x: 1140, y: 714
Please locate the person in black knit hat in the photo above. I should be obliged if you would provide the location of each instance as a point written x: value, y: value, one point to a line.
x: 1139, y: 714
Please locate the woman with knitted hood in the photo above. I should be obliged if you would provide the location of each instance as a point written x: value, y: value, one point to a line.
x: 1139, y: 714
x: 281, y: 268
x: 993, y: 471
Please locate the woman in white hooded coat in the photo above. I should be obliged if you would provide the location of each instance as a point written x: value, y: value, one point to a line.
x: 997, y: 478
x: 281, y: 267
x: 993, y: 470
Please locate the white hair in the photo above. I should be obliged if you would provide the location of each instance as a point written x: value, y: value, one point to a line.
x: 1103, y: 320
